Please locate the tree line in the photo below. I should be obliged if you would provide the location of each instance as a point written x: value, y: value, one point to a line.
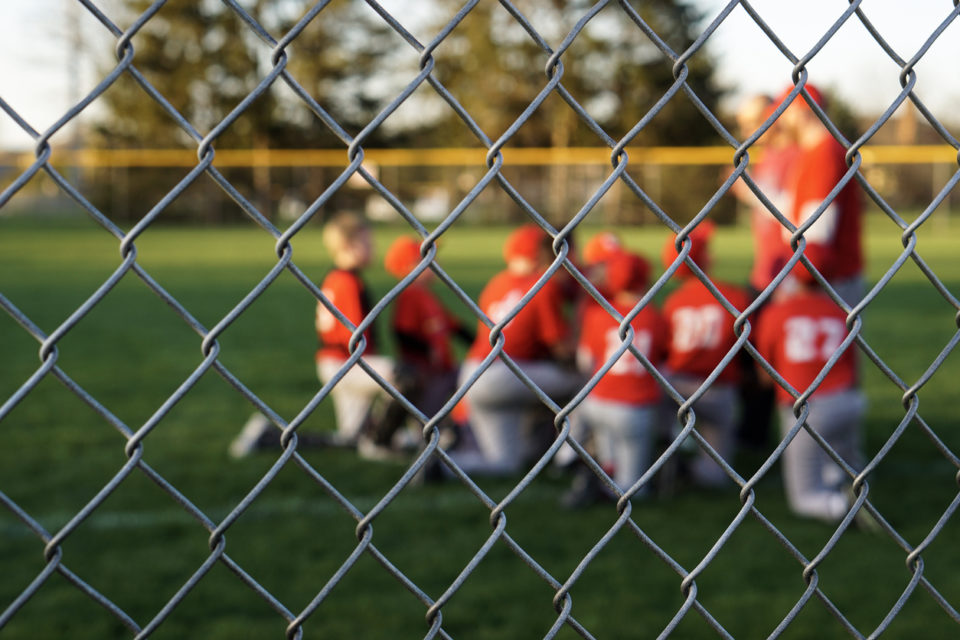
x: 204, y: 59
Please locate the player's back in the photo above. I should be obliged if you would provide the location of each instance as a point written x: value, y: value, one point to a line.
x: 799, y: 335
x: 530, y: 334
x: 701, y: 328
x: 627, y: 381
x: 423, y: 328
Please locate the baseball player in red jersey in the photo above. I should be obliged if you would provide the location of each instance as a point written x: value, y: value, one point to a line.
x: 501, y: 406
x: 346, y: 237
x: 700, y: 336
x: 797, y: 333
x: 596, y: 252
x: 605, y: 245
x: 423, y: 326
x: 621, y: 410
x: 817, y: 170
x: 600, y: 248
x: 424, y: 329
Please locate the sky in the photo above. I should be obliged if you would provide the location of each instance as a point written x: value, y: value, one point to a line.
x: 42, y: 73
x: 852, y: 64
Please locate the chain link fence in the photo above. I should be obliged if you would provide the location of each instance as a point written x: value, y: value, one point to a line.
x: 55, y: 544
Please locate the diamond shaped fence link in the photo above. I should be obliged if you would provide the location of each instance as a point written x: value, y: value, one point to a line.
x: 135, y: 437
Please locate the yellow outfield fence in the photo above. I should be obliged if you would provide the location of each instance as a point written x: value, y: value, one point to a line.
x: 467, y: 157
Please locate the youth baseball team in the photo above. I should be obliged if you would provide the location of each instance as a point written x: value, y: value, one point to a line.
x: 564, y: 340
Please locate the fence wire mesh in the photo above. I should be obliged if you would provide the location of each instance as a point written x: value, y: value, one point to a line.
x: 55, y: 544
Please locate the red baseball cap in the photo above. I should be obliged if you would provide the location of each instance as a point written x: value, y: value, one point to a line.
x: 626, y: 271
x: 699, y: 251
x: 601, y: 247
x: 525, y: 242
x: 799, y: 102
x: 402, y: 256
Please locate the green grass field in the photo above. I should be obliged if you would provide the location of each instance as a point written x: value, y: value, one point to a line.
x: 132, y: 351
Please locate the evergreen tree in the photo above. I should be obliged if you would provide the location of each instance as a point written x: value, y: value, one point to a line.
x: 495, y: 69
x: 204, y: 60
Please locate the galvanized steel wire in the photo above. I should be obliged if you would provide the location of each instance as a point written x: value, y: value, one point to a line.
x: 206, y: 142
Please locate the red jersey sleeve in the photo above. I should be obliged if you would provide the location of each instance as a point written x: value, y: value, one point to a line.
x: 551, y: 323
x: 406, y: 314
x: 494, y: 301
x: 346, y: 291
x: 419, y: 315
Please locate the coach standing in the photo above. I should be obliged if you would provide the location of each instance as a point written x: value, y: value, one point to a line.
x: 818, y: 169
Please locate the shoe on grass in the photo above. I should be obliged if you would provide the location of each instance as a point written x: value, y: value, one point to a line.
x: 254, y: 435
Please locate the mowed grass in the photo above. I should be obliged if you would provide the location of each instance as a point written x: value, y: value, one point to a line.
x: 132, y: 351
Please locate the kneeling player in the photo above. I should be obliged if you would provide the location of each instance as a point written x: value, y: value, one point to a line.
x: 797, y: 333
x: 503, y: 410
x: 426, y: 373
x: 701, y: 335
x: 621, y: 410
